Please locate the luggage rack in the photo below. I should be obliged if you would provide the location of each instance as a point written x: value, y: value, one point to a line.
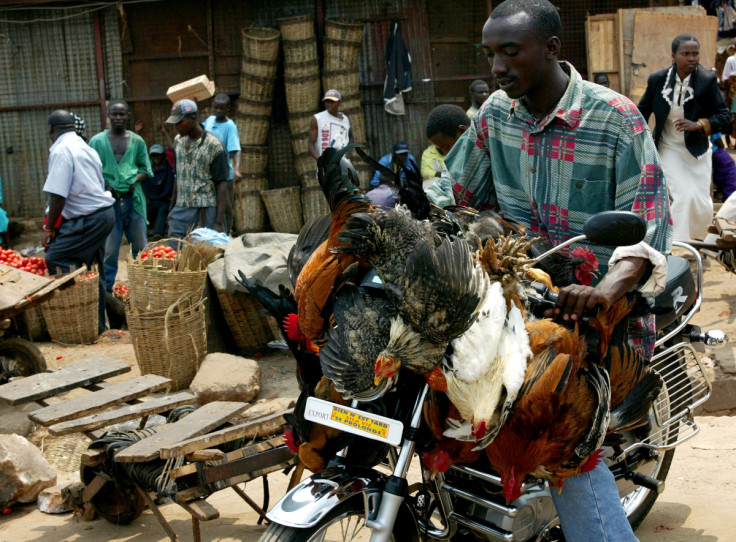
x: 193, y: 468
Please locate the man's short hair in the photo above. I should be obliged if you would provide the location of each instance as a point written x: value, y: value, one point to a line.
x: 476, y: 83
x: 61, y: 120
x: 118, y: 102
x: 543, y: 14
x: 446, y: 119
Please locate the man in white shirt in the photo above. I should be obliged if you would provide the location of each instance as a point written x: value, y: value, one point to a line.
x: 329, y: 128
x: 76, y: 191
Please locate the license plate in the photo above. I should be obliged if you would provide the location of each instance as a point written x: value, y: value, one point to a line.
x: 354, y: 421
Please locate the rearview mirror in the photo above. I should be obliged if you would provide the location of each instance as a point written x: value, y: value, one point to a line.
x: 615, y: 228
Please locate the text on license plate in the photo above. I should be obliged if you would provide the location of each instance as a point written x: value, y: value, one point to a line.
x: 354, y: 421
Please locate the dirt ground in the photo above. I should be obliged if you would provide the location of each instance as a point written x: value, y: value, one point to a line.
x: 696, y: 505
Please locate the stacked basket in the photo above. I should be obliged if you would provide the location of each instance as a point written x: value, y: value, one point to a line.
x: 166, y: 313
x: 258, y: 73
x: 72, y: 314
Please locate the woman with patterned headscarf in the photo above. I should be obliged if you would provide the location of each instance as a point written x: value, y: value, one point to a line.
x: 688, y: 107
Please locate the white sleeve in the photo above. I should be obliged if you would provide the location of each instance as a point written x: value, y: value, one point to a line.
x: 658, y: 279
x: 727, y: 69
x: 61, y: 172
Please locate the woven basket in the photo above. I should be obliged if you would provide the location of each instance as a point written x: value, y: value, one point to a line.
x: 340, y: 55
x: 344, y: 29
x: 154, y: 284
x: 299, y: 122
x: 250, y: 215
x: 71, y: 315
x: 346, y: 81
x: 304, y: 163
x: 308, y: 180
x: 297, y: 28
x: 365, y: 174
x: 302, y: 94
x: 261, y: 43
x: 306, y: 69
x: 300, y: 51
x: 258, y: 68
x: 258, y: 89
x: 357, y: 123
x: 253, y: 129
x: 314, y: 203
x: 253, y: 159
x: 300, y: 143
x: 284, y: 209
x: 31, y: 324
x: 170, y: 342
x: 244, y: 315
x: 254, y: 107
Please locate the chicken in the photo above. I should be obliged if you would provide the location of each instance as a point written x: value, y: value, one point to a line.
x: 361, y: 322
x: 282, y: 307
x: 312, y: 235
x: 487, y: 367
x: 316, y: 280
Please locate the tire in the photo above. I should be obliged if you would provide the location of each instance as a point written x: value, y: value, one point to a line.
x: 350, y: 513
x: 117, y: 503
x: 638, y: 503
x: 23, y: 355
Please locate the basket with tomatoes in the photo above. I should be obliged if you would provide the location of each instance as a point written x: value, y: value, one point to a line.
x: 37, y: 266
x: 121, y: 292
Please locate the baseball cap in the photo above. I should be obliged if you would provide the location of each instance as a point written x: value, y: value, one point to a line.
x: 401, y: 148
x: 332, y: 95
x: 156, y: 149
x: 180, y: 109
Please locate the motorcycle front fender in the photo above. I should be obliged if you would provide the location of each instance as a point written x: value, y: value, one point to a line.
x: 307, y: 503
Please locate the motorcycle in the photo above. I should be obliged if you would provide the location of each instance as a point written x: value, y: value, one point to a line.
x: 350, y: 501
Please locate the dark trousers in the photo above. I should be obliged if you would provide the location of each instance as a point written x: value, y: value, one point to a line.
x: 81, y: 241
x: 157, y: 211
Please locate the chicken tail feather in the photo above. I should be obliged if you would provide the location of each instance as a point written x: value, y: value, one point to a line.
x: 633, y: 410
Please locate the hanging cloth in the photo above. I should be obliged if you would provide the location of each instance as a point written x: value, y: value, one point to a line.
x: 398, y: 72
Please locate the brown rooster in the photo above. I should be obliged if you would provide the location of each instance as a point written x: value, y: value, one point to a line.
x: 566, y: 402
x: 317, y: 278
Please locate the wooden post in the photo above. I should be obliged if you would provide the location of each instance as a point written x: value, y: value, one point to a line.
x: 100, y: 70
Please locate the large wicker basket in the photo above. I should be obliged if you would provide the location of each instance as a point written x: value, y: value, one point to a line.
x: 253, y: 159
x: 72, y: 314
x: 32, y: 325
x: 261, y: 43
x: 244, y: 315
x: 258, y: 68
x: 254, y: 107
x: 302, y: 93
x: 284, y: 209
x: 346, y: 81
x: 170, y: 342
x: 344, y: 29
x: 300, y: 52
x: 300, y: 143
x: 365, y: 174
x: 314, y: 203
x: 350, y: 102
x: 300, y: 122
x: 304, y: 163
x: 258, y: 89
x: 340, y: 55
x: 250, y: 214
x: 357, y: 123
x: 253, y: 129
x: 297, y: 28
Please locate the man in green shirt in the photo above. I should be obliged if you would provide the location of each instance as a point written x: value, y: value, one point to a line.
x: 125, y: 164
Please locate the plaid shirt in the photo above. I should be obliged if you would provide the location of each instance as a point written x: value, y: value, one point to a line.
x: 198, y: 170
x: 592, y: 153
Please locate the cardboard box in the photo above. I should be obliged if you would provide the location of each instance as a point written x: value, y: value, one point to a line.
x: 200, y: 88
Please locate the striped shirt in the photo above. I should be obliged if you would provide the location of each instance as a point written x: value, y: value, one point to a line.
x: 592, y: 153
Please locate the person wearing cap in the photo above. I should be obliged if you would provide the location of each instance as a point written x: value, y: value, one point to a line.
x: 158, y: 189
x: 125, y: 165
x: 200, y: 189
x: 226, y: 131
x: 397, y: 160
x: 329, y: 128
x: 76, y: 191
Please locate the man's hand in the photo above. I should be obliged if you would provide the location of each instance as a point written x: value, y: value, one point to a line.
x: 138, y: 126
x: 684, y: 125
x: 47, y: 236
x: 218, y: 226
x: 237, y: 176
x: 575, y: 300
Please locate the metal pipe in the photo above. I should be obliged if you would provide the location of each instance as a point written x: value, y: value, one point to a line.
x: 52, y: 106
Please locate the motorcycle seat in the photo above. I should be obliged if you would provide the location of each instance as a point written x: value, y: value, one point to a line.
x: 678, y: 294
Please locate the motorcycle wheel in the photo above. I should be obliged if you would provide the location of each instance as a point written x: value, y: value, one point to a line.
x: 346, y: 522
x: 19, y: 357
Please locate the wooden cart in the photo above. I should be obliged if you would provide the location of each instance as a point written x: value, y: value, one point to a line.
x: 182, y: 455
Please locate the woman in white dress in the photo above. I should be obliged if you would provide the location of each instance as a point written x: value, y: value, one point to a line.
x: 688, y: 107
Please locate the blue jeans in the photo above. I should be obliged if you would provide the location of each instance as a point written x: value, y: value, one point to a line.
x: 134, y: 225
x: 590, y: 509
x: 157, y: 210
x: 182, y: 220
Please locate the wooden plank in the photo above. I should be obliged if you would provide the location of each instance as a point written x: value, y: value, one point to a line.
x: 37, y: 296
x: 92, y: 458
x: 197, y: 423
x: 200, y: 509
x: 16, y: 285
x: 44, y: 385
x: 128, y: 412
x: 247, y: 429
x: 95, y: 401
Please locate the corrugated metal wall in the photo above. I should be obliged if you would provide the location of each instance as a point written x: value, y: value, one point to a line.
x: 46, y: 62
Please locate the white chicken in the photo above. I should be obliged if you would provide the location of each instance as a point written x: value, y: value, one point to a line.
x: 486, y: 369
